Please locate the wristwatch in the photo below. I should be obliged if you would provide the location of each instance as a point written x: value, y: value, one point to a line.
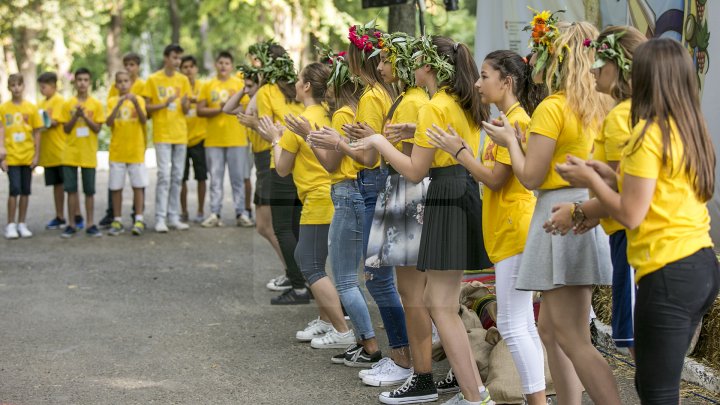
x: 578, y: 215
x: 275, y: 142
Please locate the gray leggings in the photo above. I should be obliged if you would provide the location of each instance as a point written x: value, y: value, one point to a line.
x: 312, y: 251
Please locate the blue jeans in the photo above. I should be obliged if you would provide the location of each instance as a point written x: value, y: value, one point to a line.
x: 346, y: 254
x: 380, y: 282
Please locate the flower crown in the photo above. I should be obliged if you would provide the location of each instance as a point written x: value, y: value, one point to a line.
x: 544, y: 32
x: 429, y: 53
x: 366, y: 38
x: 609, y: 49
x: 340, y: 72
x: 400, y: 50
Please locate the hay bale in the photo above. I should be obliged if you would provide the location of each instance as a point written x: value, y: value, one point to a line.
x: 708, y: 347
x: 602, y: 303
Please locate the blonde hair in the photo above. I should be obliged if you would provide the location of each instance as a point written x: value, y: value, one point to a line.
x: 568, y: 71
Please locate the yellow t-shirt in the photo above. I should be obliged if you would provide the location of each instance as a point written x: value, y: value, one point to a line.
x: 609, y: 144
x: 137, y: 89
x: 272, y: 103
x: 311, y: 178
x: 443, y: 109
x: 52, y: 140
x: 169, y: 124
x: 677, y: 223
x: 506, y: 213
x: 127, y: 142
x: 82, y: 142
x: 196, y: 126
x: 348, y: 168
x: 373, y: 108
x: 19, y: 121
x: 223, y: 130
x: 553, y: 120
x: 408, y: 109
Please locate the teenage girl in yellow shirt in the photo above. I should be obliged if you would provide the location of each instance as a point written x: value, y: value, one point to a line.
x: 613, y: 61
x: 667, y: 175
x: 451, y: 239
x: 506, y: 81
x: 565, y: 269
x: 292, y: 154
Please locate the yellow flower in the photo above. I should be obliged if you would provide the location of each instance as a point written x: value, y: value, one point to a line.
x: 541, y: 18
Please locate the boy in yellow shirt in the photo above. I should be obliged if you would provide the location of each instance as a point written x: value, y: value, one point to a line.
x: 127, y: 152
x: 131, y: 62
x: 52, y: 145
x: 197, y: 129
x: 167, y: 99
x: 82, y: 117
x: 22, y: 124
x: 226, y: 141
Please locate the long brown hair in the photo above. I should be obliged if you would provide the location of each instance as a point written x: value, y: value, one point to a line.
x: 317, y: 75
x: 510, y: 64
x: 629, y: 41
x: 665, y: 89
x: 365, y: 67
x: 466, y: 74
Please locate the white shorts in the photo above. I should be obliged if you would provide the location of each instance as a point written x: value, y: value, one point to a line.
x: 136, y: 171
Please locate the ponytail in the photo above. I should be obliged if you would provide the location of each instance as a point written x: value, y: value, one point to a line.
x: 510, y: 64
x: 465, y: 75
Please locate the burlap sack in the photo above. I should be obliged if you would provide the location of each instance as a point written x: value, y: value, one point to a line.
x: 481, y: 350
x: 469, y: 319
x: 503, y: 380
x: 472, y: 291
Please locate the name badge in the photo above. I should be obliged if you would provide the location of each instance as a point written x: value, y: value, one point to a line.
x: 18, y: 136
x: 172, y: 106
x: 192, y: 113
x: 82, y: 132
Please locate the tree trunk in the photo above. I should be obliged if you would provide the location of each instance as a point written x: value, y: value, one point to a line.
x: 62, y: 59
x: 25, y: 48
x: 175, y: 21
x: 402, y: 18
x: 112, y: 40
x: 592, y: 12
x: 207, y: 58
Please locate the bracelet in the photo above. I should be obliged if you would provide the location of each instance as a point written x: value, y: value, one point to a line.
x: 460, y: 150
x: 274, y: 143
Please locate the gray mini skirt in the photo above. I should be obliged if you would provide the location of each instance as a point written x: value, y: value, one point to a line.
x: 551, y: 261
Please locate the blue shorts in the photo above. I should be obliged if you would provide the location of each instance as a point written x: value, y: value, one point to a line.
x: 623, y: 292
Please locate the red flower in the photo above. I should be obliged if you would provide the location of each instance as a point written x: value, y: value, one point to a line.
x: 343, y: 53
x: 587, y: 42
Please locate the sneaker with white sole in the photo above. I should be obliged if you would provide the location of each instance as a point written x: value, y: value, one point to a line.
x: 347, y: 354
x: 279, y: 283
x: 417, y: 389
x: 314, y: 329
x: 363, y: 359
x: 375, y: 368
x: 177, y: 225
x: 212, y: 221
x: 449, y: 385
x: 160, y: 226
x: 459, y: 399
x: 243, y: 220
x: 11, y: 231
x: 388, y: 374
x: 334, y: 340
x: 24, y: 231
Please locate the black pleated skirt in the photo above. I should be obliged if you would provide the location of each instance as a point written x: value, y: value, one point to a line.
x: 452, y: 232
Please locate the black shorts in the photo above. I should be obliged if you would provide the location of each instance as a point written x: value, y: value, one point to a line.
x: 20, y: 180
x: 54, y: 176
x: 197, y: 155
x: 70, y: 175
x: 263, y: 179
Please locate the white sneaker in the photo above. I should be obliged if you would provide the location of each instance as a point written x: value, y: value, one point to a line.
x: 279, y: 283
x: 160, y: 226
x: 212, y: 221
x: 387, y: 374
x: 375, y: 368
x: 334, y: 340
x: 245, y: 221
x: 316, y: 328
x: 11, y: 231
x: 459, y: 399
x: 180, y: 226
x: 24, y: 231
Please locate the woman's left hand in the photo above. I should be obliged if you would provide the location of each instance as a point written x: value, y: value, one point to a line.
x: 359, y: 130
x: 502, y: 132
x: 269, y: 130
x: 324, y: 138
x: 364, y: 144
x: 576, y: 172
x: 450, y: 141
x: 299, y: 125
x: 560, y: 222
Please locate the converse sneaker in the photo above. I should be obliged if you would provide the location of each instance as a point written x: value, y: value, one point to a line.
x: 417, y: 389
x: 363, y: 359
x: 333, y: 340
x: 449, y: 385
x: 389, y: 374
x: 11, y: 231
x: 290, y: 297
x: 376, y: 368
x: 347, y: 354
x: 459, y: 399
x: 316, y: 328
x: 24, y: 231
x: 280, y: 283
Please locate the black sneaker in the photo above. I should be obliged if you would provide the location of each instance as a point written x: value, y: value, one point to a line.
x: 449, y: 385
x: 68, y: 232
x: 347, y: 354
x: 106, y: 221
x: 290, y: 297
x: 417, y: 388
x: 363, y: 359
